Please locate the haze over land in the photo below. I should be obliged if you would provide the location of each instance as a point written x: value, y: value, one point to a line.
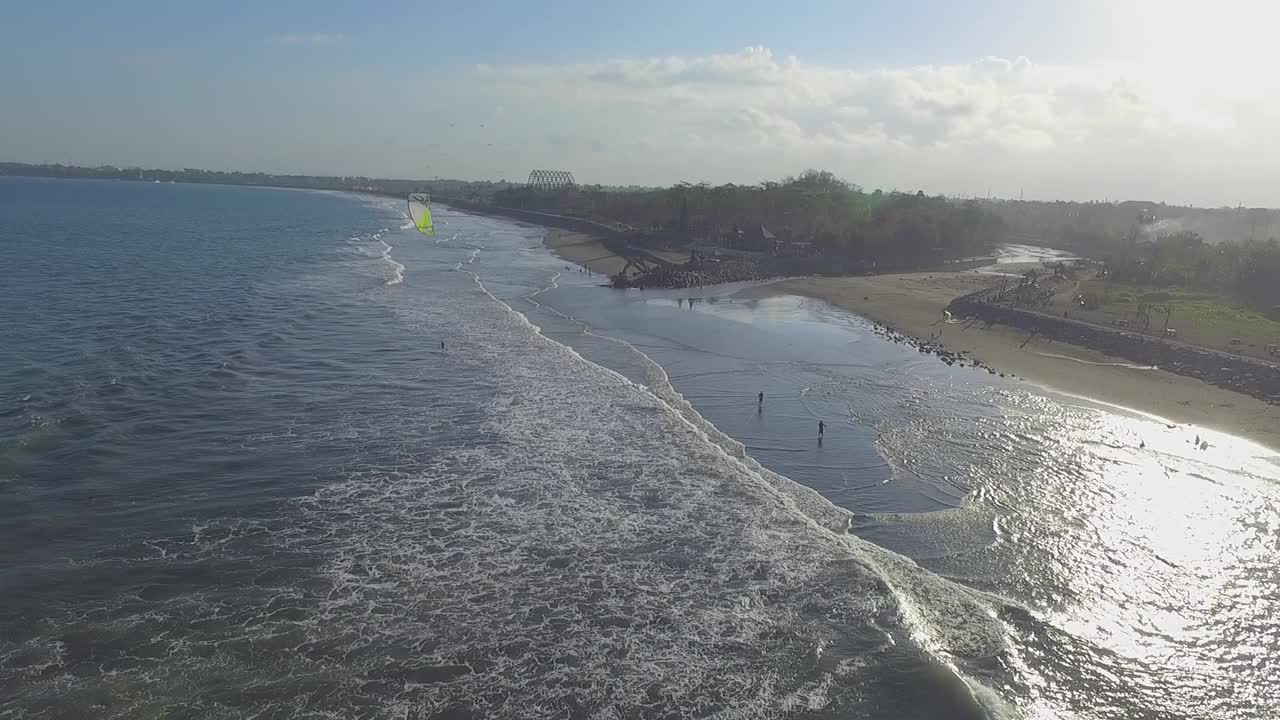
x: 1127, y: 100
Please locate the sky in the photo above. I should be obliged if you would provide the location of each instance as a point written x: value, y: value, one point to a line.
x: 1129, y: 99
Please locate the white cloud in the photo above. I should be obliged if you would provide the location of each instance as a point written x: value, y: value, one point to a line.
x: 1060, y: 131
x: 1077, y: 132
x: 315, y: 38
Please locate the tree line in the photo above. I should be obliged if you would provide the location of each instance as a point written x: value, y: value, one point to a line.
x: 833, y: 216
x: 816, y: 209
x: 1158, y: 245
x: 460, y: 189
x: 1248, y: 271
x: 1227, y: 251
x: 1083, y: 226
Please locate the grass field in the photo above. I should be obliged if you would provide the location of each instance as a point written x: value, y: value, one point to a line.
x: 1198, y: 318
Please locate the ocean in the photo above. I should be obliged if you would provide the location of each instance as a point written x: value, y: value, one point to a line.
x: 271, y: 453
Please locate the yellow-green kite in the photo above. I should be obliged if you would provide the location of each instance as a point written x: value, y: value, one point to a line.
x: 420, y: 211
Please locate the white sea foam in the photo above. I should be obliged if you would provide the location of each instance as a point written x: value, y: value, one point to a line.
x: 396, y: 275
x: 375, y: 246
x: 946, y: 620
x: 596, y: 549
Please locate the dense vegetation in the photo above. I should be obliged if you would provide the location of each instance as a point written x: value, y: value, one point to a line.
x: 835, y: 217
x: 1248, y: 271
x: 1228, y: 252
x: 1095, y: 226
x: 1143, y: 243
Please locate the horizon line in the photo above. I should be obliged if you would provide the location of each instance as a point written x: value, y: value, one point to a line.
x: 956, y: 196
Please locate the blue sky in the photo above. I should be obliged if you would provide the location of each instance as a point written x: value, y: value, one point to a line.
x: 1088, y: 99
x: 908, y: 32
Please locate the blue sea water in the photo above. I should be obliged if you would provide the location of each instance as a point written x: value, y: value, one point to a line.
x: 269, y: 453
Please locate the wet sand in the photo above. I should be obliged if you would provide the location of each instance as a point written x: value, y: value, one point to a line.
x: 583, y: 250
x: 913, y: 304
x: 589, y: 252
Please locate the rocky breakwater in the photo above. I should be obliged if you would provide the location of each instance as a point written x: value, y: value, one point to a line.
x: 1232, y: 372
x: 928, y: 347
x: 696, y: 274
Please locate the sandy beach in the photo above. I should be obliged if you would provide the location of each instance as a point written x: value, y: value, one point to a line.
x: 583, y: 250
x: 912, y: 304
x: 590, y: 253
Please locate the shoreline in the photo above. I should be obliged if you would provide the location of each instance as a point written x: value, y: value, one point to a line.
x: 912, y: 304
x: 584, y: 250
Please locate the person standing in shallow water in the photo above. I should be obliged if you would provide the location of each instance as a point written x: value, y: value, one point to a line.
x: 821, y: 427
x: 760, y: 399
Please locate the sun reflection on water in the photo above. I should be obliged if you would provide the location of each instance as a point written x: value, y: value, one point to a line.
x: 1155, y: 555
